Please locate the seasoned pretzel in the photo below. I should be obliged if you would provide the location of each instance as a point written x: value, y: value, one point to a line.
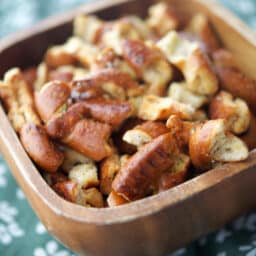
x: 87, y: 27
x: 40, y: 148
x: 189, y: 58
x: 85, y: 175
x: 107, y: 58
x: 74, y: 50
x: 180, y: 92
x: 142, y: 169
x: 116, y: 84
x: 51, y: 99
x: 149, y: 64
x: 210, y: 142
x: 234, y: 111
x: 109, y: 167
x: 160, y: 108
x: 109, y: 111
x: 72, y: 192
x: 181, y: 130
x: 177, y: 173
x: 18, y: 99
x: 144, y: 133
x: 73, y: 158
x: 90, y: 138
x: 163, y: 18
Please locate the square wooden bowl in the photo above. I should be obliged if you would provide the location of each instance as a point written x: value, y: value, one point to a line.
x: 151, y: 226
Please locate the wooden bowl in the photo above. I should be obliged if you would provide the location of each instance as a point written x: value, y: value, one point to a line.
x: 151, y: 226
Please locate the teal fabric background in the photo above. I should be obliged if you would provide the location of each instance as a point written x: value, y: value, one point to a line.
x: 22, y: 234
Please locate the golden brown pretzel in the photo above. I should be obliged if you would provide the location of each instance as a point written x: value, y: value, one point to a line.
x: 51, y: 98
x: 234, y: 110
x: 143, y: 168
x: 210, y: 142
x: 90, y: 138
x: 40, y: 148
x: 144, y: 133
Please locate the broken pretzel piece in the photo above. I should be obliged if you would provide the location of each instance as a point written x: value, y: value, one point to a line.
x: 90, y: 138
x: 108, y: 82
x: 109, y: 167
x: 71, y: 191
x: 181, y: 93
x: 108, y: 111
x: 193, y: 63
x: 163, y: 18
x: 210, y: 142
x: 160, y: 108
x: 177, y: 173
x: 234, y: 111
x: 144, y: 133
x: 40, y: 148
x: 181, y: 130
x: 149, y: 63
x: 136, y: 177
x: 52, y: 99
x: 18, y: 99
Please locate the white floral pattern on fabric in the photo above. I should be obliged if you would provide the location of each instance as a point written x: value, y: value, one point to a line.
x: 40, y: 229
x: 19, y: 194
x: 236, y: 239
x: 51, y: 249
x: 9, y: 228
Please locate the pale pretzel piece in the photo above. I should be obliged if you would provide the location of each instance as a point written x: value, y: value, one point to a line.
x: 74, y: 50
x: 114, y: 33
x: 144, y: 133
x: 231, y: 78
x: 137, y: 176
x: 109, y: 167
x: 85, y: 175
x: 160, y: 108
x: 18, y: 99
x: 42, y: 76
x: 210, y: 142
x: 87, y: 27
x: 189, y: 58
x: 234, y: 110
x: 149, y: 63
x: 180, y: 92
x: 163, y: 18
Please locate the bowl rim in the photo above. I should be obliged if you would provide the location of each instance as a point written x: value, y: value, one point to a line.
x: 13, y: 151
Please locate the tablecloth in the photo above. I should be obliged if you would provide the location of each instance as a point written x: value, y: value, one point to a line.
x: 21, y: 232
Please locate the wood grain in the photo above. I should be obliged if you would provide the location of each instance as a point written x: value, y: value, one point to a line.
x: 151, y: 226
